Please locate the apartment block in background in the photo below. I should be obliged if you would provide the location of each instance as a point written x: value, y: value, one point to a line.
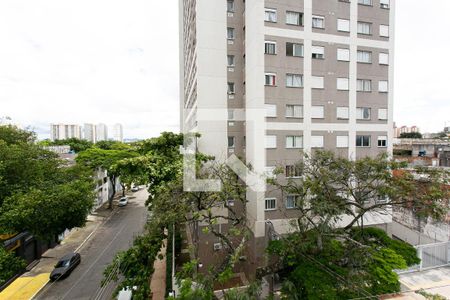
x: 90, y: 133
x: 101, y: 132
x: 64, y: 131
x: 320, y: 71
x: 118, y: 132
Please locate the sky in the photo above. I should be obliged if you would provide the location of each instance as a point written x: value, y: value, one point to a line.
x: 116, y: 61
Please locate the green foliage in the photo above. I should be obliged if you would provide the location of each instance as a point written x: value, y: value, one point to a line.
x: 39, y: 193
x: 136, y: 263
x: 429, y: 296
x: 76, y: 145
x: 411, y: 135
x: 9, y: 265
x: 112, y: 145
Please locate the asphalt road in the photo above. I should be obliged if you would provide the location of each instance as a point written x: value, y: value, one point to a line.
x: 115, y: 235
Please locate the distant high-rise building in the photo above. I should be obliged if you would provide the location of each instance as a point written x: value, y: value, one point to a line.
x: 90, y: 133
x: 102, y: 132
x: 64, y: 131
x: 118, y: 132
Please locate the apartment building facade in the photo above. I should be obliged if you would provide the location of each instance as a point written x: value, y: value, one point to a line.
x: 89, y: 132
x: 101, y: 132
x: 268, y: 79
x: 64, y: 131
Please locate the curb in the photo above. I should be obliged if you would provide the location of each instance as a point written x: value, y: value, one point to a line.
x: 78, y: 248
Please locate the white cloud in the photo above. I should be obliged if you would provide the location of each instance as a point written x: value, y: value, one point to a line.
x: 117, y: 61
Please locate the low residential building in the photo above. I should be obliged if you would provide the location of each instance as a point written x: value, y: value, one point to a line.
x: 421, y: 147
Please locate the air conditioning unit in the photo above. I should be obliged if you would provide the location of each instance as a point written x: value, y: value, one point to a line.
x: 217, y: 246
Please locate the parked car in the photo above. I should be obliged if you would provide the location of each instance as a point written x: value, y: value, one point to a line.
x: 135, y: 188
x: 123, y: 201
x: 65, y: 266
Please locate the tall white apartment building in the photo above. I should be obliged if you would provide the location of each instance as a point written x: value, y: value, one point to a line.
x: 101, y: 132
x: 118, y: 132
x: 64, y: 131
x: 90, y: 133
x: 268, y: 79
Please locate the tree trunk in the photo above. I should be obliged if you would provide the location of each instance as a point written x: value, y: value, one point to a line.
x: 123, y: 189
x: 113, y: 185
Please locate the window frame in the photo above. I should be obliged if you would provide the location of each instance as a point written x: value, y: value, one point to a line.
x: 341, y: 108
x: 385, y: 84
x: 300, y: 17
x: 233, y: 90
x: 271, y: 138
x: 365, y: 23
x: 293, y: 49
x: 295, y: 198
x: 347, y: 143
x: 347, y: 54
x: 364, y: 85
x: 313, y: 108
x: 385, y: 28
x: 314, y: 140
x: 365, y: 4
x: 342, y: 78
x: 266, y: 201
x: 233, y: 8
x: 383, y: 62
x: 270, y: 111
x: 319, y: 55
x: 360, y: 117
x: 292, y: 170
x: 319, y: 79
x: 347, y: 26
x: 362, y: 144
x: 300, y: 107
x: 318, y: 17
x: 383, y: 141
x: 233, y: 144
x: 274, y: 44
x: 270, y: 75
x: 370, y: 54
x: 295, y: 139
x: 293, y: 76
x: 271, y: 11
x: 233, y: 59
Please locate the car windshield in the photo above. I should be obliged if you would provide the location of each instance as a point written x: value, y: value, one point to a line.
x: 63, y: 263
x: 123, y: 200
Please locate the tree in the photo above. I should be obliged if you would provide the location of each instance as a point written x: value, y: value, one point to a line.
x: 325, y: 260
x: 411, y: 135
x: 38, y: 192
x: 96, y: 158
x: 76, y: 145
x: 9, y: 265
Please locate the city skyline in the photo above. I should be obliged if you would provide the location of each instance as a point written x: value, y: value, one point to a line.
x: 126, y: 79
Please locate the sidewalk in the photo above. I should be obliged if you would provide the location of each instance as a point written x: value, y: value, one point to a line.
x: 30, y: 283
x: 158, y: 282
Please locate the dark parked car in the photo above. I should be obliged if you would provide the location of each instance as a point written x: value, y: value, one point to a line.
x: 65, y: 266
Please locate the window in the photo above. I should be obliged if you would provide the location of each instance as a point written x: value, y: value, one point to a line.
x: 294, y: 142
x: 382, y: 141
x: 318, y: 52
x: 384, y: 4
x: 364, y: 85
x: 364, y: 28
x: 342, y: 141
x: 270, y: 79
x: 343, y: 54
x: 291, y: 201
x: 317, y: 82
x: 231, y: 141
x: 384, y: 59
x: 294, y: 18
x: 383, y: 86
x: 293, y: 49
x: 294, y: 80
x: 230, y: 114
x: 271, y: 141
x: 342, y: 84
x: 293, y: 171
x: 230, y: 33
x: 363, y: 113
x: 343, y: 25
x: 270, y: 15
x: 317, y: 112
x: 318, y: 22
x: 231, y: 88
x: 230, y: 59
x: 271, y: 110
x: 270, y: 47
x: 230, y: 6
x: 365, y: 2
x: 363, y: 141
x: 384, y: 30
x: 270, y: 204
x: 294, y: 111
x: 342, y: 112
x: 364, y: 57
x: 317, y: 141
x: 382, y: 114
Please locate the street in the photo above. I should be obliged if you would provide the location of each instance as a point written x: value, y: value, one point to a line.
x: 116, y: 234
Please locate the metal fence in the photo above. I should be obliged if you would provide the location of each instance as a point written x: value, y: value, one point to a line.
x: 431, y: 256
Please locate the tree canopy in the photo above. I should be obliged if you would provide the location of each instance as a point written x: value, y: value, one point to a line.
x: 411, y: 135
x: 38, y: 192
